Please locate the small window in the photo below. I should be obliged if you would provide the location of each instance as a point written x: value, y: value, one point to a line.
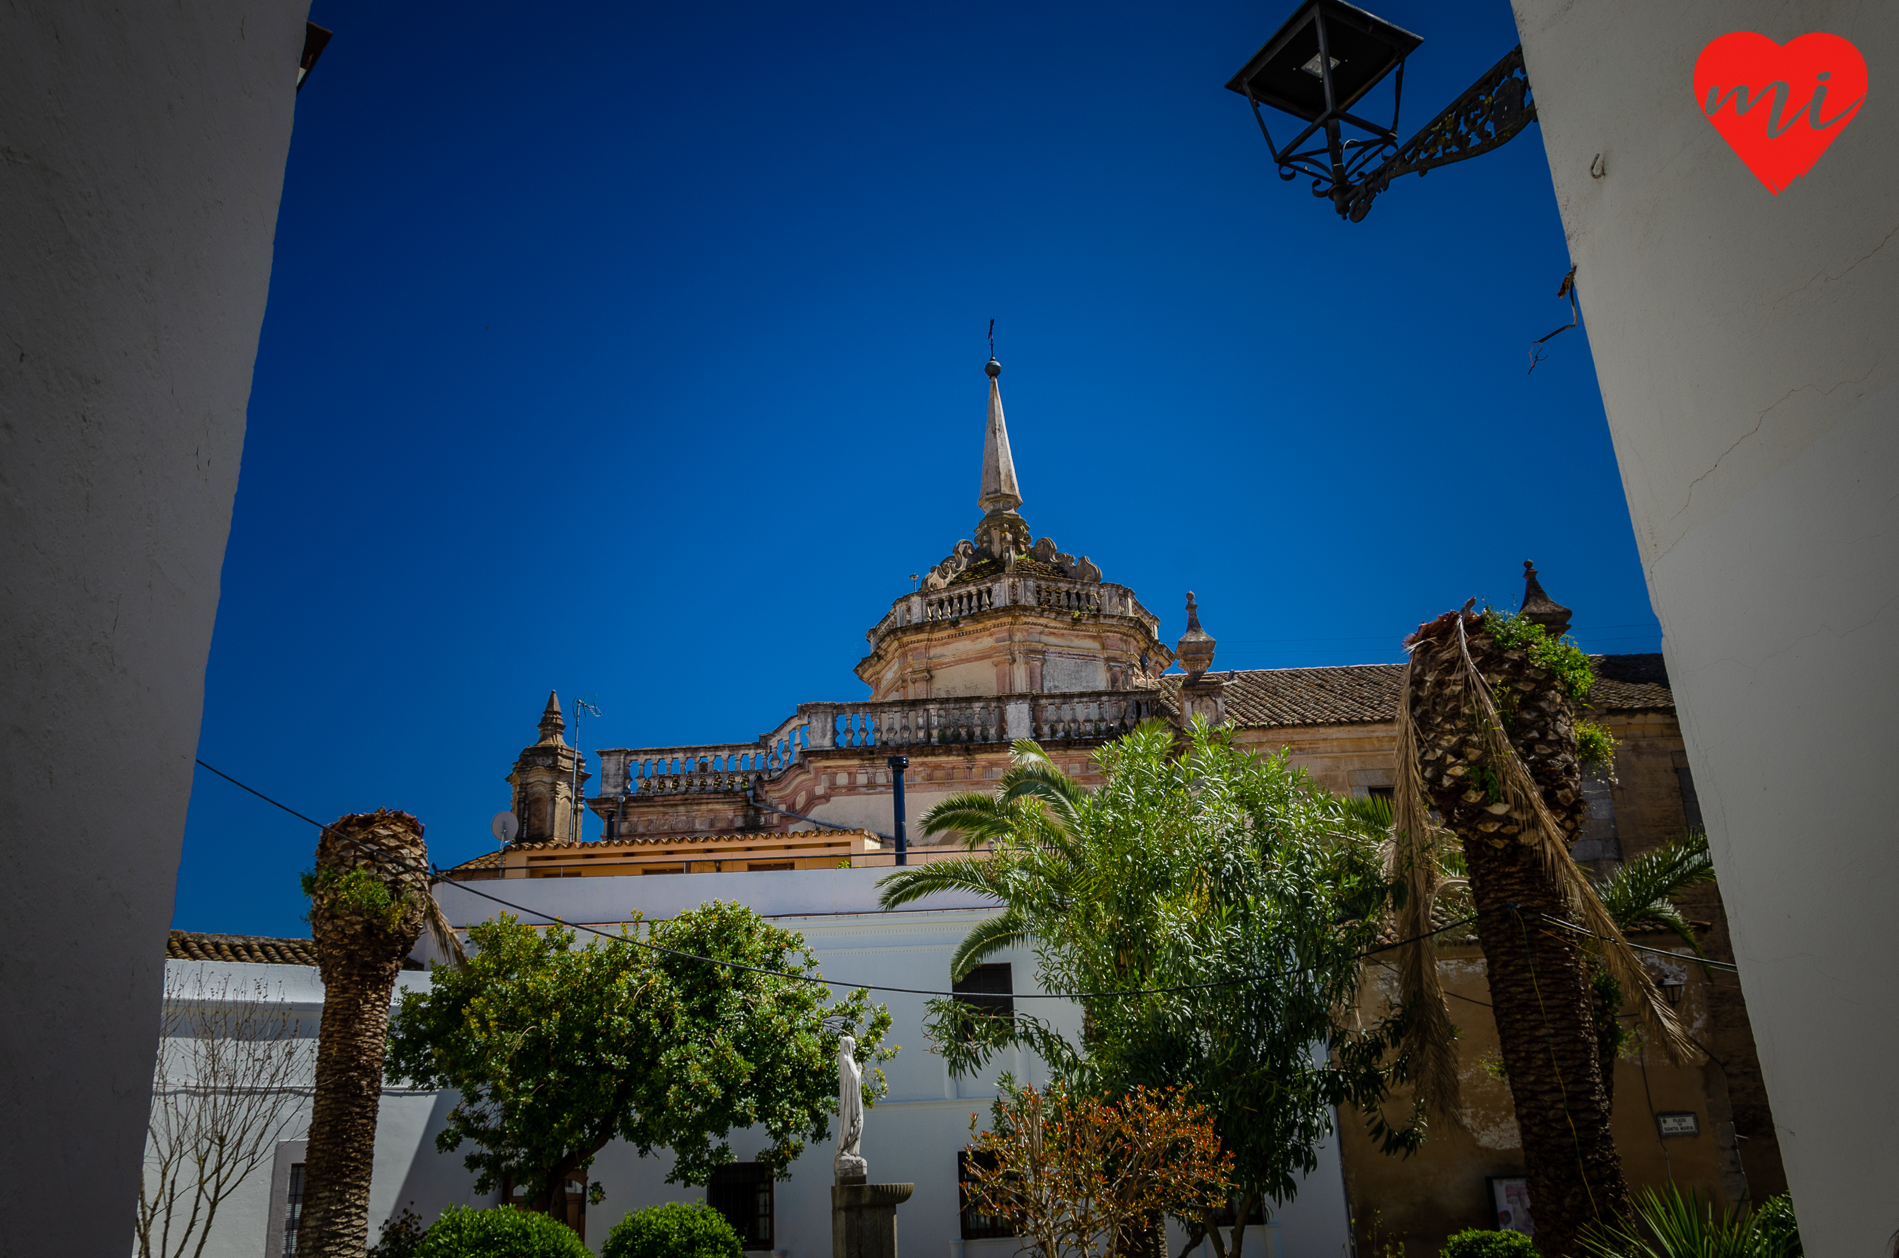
x: 977, y: 1226
x: 1690, y: 802
x: 293, y: 1209
x: 989, y: 990
x: 761, y: 867
x: 742, y: 1192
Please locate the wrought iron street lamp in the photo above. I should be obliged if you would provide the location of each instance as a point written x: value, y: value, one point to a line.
x: 1320, y: 65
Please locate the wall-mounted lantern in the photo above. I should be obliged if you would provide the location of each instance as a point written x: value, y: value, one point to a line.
x: 1672, y: 986
x: 1320, y: 65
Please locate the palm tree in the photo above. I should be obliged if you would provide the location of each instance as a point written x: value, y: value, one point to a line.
x: 1035, y: 865
x: 1486, y: 733
x: 369, y: 903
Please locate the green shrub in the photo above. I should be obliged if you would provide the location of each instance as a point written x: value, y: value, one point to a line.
x: 674, y: 1230
x: 502, y: 1232
x: 401, y: 1233
x: 1779, y: 1233
x: 1476, y: 1242
x: 1678, y: 1225
x: 1595, y: 746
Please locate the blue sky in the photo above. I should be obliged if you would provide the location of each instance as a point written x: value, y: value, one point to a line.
x: 638, y: 351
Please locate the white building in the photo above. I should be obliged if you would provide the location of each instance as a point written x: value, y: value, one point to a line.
x: 912, y: 1136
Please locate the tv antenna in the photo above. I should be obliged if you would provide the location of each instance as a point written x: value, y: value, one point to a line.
x: 583, y: 705
x: 505, y: 826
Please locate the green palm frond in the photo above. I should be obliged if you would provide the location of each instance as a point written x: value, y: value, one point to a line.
x: 913, y: 882
x: 998, y: 934
x: 1640, y: 893
x: 978, y: 817
x: 1371, y: 811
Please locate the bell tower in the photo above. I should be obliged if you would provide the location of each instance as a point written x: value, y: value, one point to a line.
x: 543, y: 781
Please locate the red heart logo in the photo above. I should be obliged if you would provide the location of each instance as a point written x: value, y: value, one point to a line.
x: 1779, y: 105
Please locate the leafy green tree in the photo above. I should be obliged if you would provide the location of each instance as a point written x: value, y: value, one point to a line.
x: 1228, y: 877
x: 557, y: 1049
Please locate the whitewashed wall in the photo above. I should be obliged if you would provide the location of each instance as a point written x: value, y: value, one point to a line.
x: 1747, y: 346
x: 407, y: 1167
x: 144, y: 149
x: 911, y: 1136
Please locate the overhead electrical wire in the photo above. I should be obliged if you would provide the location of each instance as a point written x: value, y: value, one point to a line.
x: 434, y: 875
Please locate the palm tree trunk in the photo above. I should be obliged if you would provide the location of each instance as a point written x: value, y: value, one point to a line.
x: 1539, y: 979
x: 340, y: 1156
x: 362, y: 937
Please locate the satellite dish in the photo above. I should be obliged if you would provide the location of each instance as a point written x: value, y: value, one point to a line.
x: 505, y: 826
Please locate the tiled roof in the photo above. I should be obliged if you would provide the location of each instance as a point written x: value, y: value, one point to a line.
x: 1366, y: 694
x: 1631, y: 683
x: 487, y: 860
x: 492, y: 860
x: 194, y: 945
x: 1352, y: 695
x: 191, y: 945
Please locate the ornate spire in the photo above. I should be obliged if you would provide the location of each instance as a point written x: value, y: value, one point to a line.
x: 552, y: 723
x: 999, y: 491
x: 1002, y: 533
x: 1540, y: 607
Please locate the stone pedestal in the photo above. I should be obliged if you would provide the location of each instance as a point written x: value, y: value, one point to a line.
x: 864, y: 1217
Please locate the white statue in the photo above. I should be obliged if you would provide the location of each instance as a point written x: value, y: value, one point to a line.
x: 850, y: 1111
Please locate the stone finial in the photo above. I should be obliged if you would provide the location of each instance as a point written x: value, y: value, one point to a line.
x: 1540, y: 607
x: 552, y: 723
x: 1195, y: 648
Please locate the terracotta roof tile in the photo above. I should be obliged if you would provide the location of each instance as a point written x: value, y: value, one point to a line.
x: 492, y: 860
x: 1631, y: 683
x: 194, y: 945
x: 1367, y: 694
x: 191, y: 945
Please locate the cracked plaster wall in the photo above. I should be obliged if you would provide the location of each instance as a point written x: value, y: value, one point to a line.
x: 1744, y: 344
x: 142, y: 153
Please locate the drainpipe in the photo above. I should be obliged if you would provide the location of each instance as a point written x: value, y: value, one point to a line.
x: 897, y: 765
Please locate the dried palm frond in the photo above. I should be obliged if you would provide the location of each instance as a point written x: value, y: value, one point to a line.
x: 1411, y: 860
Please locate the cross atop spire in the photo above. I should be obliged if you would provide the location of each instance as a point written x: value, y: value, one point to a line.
x: 999, y: 490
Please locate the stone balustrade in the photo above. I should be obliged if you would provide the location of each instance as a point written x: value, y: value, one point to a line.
x: 1051, y: 596
x: 703, y: 768
x: 1002, y: 719
x: 987, y: 720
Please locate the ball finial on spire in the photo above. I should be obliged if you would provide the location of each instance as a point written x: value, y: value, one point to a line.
x: 994, y: 368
